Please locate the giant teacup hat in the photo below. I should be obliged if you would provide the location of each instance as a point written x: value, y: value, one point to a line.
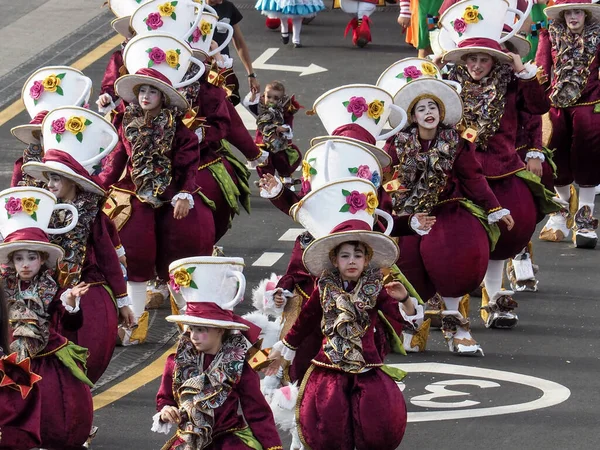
x: 161, y: 61
x: 342, y: 211
x: 123, y: 9
x: 202, y: 36
x: 357, y: 113
x: 592, y: 10
x: 25, y: 219
x: 48, y: 88
x: 210, y: 287
x: 178, y: 18
x: 405, y: 71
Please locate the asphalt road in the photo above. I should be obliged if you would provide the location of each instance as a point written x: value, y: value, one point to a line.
x: 536, y: 387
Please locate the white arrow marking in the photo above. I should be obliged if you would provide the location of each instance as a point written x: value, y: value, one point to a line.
x: 261, y: 63
x: 246, y: 116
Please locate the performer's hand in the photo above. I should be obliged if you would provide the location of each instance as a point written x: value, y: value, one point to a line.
x: 267, y: 182
x: 437, y: 60
x: 104, y: 100
x: 403, y: 21
x: 396, y: 290
x: 508, y: 221
x: 534, y: 165
x: 182, y: 208
x: 278, y: 298
x: 77, y: 291
x: 277, y: 361
x: 170, y: 414
x: 127, y: 316
x: 254, y: 85
x: 123, y: 260
x: 516, y: 62
x: 425, y: 221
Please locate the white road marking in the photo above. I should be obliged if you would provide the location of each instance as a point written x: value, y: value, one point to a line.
x: 291, y: 234
x: 261, y: 63
x: 267, y: 259
x: 247, y: 117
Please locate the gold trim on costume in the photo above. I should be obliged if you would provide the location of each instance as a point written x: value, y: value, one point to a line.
x: 299, y: 401
x: 497, y: 177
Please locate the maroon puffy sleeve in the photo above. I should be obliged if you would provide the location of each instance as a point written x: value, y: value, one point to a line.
x: 543, y: 57
x: 532, y: 128
x: 112, y: 72
x: 239, y: 136
x: 213, y: 104
x: 473, y: 183
x: 285, y: 199
x: 186, y: 159
x: 106, y: 256
x: 402, y: 226
x: 17, y: 172
x: 165, y: 397
x: 390, y: 308
x: 308, y: 321
x: 114, y: 164
x: 257, y: 411
x: 532, y: 97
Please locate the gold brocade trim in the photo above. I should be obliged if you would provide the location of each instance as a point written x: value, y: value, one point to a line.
x: 40, y: 355
x: 448, y: 200
x: 520, y: 148
x: 497, y: 177
x: 255, y: 158
x: 299, y: 401
x: 299, y: 289
x: 204, y: 166
x: 497, y: 208
x: 335, y: 367
x: 586, y: 103
x: 279, y: 447
x: 291, y: 347
x: 230, y: 430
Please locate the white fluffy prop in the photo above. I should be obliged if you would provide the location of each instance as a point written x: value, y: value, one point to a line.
x: 270, y: 330
x: 283, y: 405
x: 262, y: 296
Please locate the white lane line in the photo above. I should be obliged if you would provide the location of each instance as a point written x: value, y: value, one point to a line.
x: 247, y: 117
x: 291, y: 234
x: 268, y: 259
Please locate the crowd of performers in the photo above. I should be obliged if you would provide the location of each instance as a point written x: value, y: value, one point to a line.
x: 398, y: 235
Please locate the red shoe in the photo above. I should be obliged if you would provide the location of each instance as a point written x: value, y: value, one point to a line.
x: 363, y: 32
x: 352, y: 25
x: 272, y: 23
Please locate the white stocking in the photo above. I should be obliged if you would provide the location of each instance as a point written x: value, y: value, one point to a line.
x: 365, y: 9
x: 493, y: 277
x: 564, y: 192
x: 137, y: 294
x: 587, y: 196
x: 349, y: 6
x: 297, y: 27
x: 284, y: 26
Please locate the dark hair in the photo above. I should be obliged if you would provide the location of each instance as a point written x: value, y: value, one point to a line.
x: 276, y: 86
x: 43, y: 256
x: 357, y: 245
x: 3, y: 320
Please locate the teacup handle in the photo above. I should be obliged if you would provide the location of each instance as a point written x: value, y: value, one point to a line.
x: 229, y: 29
x: 195, y: 77
x: 241, y: 288
x: 88, y: 87
x: 100, y: 156
x: 69, y: 227
x: 210, y: 9
x: 517, y: 25
x: 388, y: 218
x: 200, y: 7
x: 398, y: 127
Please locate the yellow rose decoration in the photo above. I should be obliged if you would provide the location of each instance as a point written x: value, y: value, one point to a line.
x: 75, y: 124
x: 182, y: 278
x: 305, y: 170
x: 205, y: 27
x: 29, y: 205
x: 375, y: 110
x: 429, y: 69
x: 172, y: 58
x: 372, y: 202
x: 51, y: 83
x: 471, y: 14
x: 166, y: 9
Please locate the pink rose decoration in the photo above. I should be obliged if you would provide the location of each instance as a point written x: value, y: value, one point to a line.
x: 153, y: 21
x: 157, y: 56
x: 196, y: 35
x: 13, y: 205
x: 357, y: 106
x: 460, y: 25
x: 305, y: 186
x: 412, y: 72
x: 357, y: 201
x: 364, y: 172
x: 58, y: 125
x: 173, y: 285
x: 35, y: 92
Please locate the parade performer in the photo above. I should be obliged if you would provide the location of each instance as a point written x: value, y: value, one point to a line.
x: 438, y: 173
x: 418, y: 27
x: 296, y: 10
x: 360, y: 24
x: 274, y: 112
x: 207, y: 381
x: 46, y: 393
x: 493, y: 83
x: 568, y: 54
x: 346, y: 388
x: 91, y: 256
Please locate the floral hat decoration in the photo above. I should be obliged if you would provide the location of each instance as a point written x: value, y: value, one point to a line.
x: 405, y: 71
x: 123, y: 9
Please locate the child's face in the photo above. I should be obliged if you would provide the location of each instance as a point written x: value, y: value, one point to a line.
x: 150, y: 98
x: 351, y: 261
x: 272, y: 96
x: 61, y: 187
x: 27, y: 264
x: 206, y: 339
x: 479, y: 65
x: 575, y: 20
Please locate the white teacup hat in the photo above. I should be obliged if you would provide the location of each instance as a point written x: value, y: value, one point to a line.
x: 178, y: 18
x: 25, y: 219
x: 405, y: 71
x: 341, y: 211
x: 123, y: 9
x: 48, y: 88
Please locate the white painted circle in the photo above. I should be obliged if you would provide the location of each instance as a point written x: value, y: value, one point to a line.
x: 552, y: 393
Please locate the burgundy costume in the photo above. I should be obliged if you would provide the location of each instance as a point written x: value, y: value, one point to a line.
x: 114, y: 69
x: 245, y: 394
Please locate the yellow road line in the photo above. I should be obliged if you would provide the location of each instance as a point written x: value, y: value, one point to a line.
x: 136, y: 381
x: 17, y: 107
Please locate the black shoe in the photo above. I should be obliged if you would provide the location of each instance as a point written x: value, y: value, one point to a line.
x: 285, y: 38
x: 297, y: 45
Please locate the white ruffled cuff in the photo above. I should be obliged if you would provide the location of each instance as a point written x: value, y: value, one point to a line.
x: 70, y: 309
x: 247, y: 102
x: 124, y: 301
x: 529, y: 72
x: 108, y: 108
x: 120, y: 251
x: 497, y: 215
x: 200, y: 133
x: 288, y: 134
x: 417, y: 319
x: 273, y: 192
x: 287, y: 353
x: 534, y: 154
x: 264, y: 155
x: 184, y: 196
x: 414, y: 224
x: 158, y: 426
x: 225, y: 62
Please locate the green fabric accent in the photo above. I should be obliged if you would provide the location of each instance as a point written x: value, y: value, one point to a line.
x: 242, y: 173
x: 70, y: 355
x: 393, y: 372
x: 393, y: 338
x: 399, y: 276
x: 543, y: 197
x: 537, y: 15
x: 426, y: 7
x: 247, y: 437
x: 549, y: 155
x: 292, y: 155
x: 227, y: 185
x: 112, y: 295
x: 492, y: 229
x: 207, y: 201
